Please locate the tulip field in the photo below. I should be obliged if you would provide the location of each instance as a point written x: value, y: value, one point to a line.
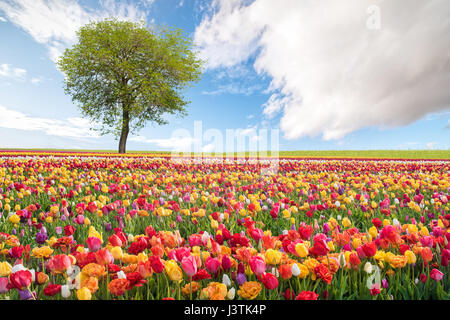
x: 98, y: 226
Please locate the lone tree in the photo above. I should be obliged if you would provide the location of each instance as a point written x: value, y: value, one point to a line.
x: 123, y: 74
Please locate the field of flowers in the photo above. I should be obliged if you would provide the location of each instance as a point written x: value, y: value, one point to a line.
x: 94, y: 227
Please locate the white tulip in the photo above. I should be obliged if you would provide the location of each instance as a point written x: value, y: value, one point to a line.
x: 121, y: 275
x: 295, y: 270
x: 368, y: 268
x: 231, y: 293
x: 205, y: 236
x: 65, y: 291
x: 226, y: 280
x: 18, y: 267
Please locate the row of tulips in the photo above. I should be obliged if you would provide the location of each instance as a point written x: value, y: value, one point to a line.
x: 92, y: 228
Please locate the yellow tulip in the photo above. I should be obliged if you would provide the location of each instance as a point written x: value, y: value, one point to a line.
x: 84, y: 294
x: 117, y: 253
x: 301, y: 250
x: 173, y: 271
x: 14, y: 218
x: 346, y: 222
x: 410, y: 256
x: 5, y: 269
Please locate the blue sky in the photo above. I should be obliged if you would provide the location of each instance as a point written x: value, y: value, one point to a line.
x: 317, y: 97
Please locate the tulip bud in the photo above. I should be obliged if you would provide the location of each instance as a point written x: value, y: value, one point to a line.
x: 342, y: 261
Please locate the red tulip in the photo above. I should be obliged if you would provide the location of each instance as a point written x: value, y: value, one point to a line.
x: 156, y: 263
x: 285, y: 271
x: 104, y: 257
x: 115, y: 241
x: 307, y: 295
x: 21, y: 279
x: 269, y: 281
x: 59, y: 263
x: 52, y: 289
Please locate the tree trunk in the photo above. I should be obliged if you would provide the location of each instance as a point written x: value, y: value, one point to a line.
x: 125, y: 130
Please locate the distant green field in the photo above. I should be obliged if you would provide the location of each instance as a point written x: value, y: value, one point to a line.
x: 390, y: 154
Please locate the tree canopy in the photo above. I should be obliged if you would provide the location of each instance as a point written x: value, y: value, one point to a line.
x: 123, y: 74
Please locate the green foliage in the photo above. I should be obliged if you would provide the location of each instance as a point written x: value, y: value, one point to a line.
x: 123, y: 74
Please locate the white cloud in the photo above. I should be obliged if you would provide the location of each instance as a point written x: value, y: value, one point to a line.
x: 234, y: 88
x: 331, y: 74
x: 54, y: 22
x: 70, y: 127
x: 6, y: 70
x: 37, y: 80
x: 173, y: 143
x: 431, y: 145
x: 2, y: 19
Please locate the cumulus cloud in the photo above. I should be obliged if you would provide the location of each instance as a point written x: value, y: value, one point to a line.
x: 70, y: 127
x: 336, y: 68
x: 54, y: 22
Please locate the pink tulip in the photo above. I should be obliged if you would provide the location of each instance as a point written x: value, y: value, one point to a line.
x: 93, y: 243
x: 258, y: 265
x: 4, y: 285
x: 189, y: 265
x: 212, y: 265
x: 79, y: 219
x: 436, y: 275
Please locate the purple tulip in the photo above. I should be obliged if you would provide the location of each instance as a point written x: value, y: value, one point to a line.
x: 41, y: 237
x: 108, y: 226
x: 26, y: 295
x: 241, y: 279
x: 385, y: 283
